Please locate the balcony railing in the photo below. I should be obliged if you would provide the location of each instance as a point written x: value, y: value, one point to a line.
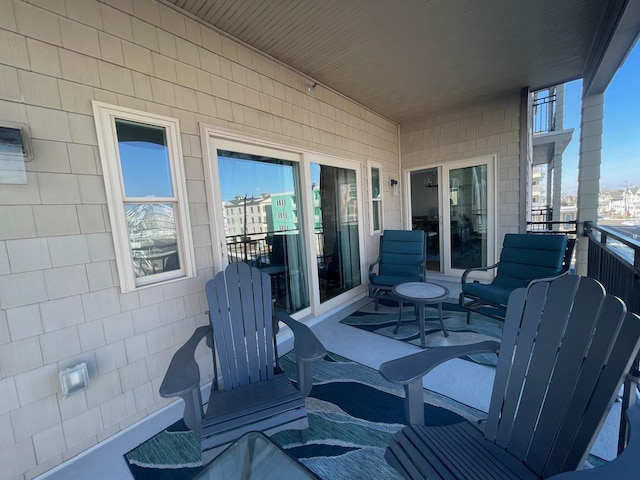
x: 541, y: 219
x: 614, y: 260
x: 256, y: 248
x: 544, y: 114
x: 541, y: 222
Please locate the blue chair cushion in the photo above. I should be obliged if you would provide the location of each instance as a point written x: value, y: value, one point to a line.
x: 391, y: 280
x: 402, y: 257
x: 489, y: 293
x: 524, y: 257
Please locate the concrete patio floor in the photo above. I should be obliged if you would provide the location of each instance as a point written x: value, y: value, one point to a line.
x: 461, y: 380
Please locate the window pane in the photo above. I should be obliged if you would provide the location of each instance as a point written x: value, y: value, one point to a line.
x: 375, y: 183
x: 425, y: 212
x: 337, y: 237
x: 273, y: 242
x: 152, y: 236
x: 468, y: 210
x: 376, y: 215
x: 144, y: 158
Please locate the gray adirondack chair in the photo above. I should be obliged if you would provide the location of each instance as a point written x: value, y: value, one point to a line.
x: 255, y: 394
x: 566, y: 349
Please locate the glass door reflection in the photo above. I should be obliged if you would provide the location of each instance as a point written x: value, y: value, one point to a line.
x: 425, y: 213
x: 335, y: 204
x: 468, y: 217
x: 262, y: 222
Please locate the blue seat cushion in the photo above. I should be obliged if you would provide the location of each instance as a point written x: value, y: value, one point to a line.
x: 488, y: 292
x: 391, y: 280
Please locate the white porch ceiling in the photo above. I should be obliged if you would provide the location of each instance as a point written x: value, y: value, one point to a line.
x: 406, y: 58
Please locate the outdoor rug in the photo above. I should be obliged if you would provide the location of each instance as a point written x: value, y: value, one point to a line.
x: 383, y: 322
x: 353, y: 412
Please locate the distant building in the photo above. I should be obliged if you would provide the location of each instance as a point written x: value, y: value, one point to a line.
x: 623, y: 203
x: 252, y: 214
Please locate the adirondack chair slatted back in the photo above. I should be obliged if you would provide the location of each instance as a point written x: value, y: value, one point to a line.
x: 240, y: 311
x: 402, y: 255
x: 573, y: 345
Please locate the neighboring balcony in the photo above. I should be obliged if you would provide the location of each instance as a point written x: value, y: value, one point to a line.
x: 549, y: 143
x: 549, y: 138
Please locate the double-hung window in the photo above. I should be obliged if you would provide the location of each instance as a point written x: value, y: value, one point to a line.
x: 375, y: 197
x: 145, y: 184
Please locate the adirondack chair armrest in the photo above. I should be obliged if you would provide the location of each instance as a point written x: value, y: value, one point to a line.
x: 306, y: 344
x: 408, y: 372
x: 404, y: 370
x: 466, y: 273
x: 625, y: 466
x: 182, y: 378
x: 307, y: 348
x: 183, y: 373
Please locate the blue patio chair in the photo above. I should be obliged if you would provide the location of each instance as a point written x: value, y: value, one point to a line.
x: 402, y: 258
x: 256, y: 395
x: 566, y: 349
x: 524, y: 258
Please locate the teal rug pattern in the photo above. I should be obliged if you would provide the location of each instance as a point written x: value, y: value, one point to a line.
x: 353, y: 412
x: 384, y: 320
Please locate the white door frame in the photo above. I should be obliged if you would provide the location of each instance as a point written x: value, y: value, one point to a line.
x: 444, y: 217
x: 214, y: 138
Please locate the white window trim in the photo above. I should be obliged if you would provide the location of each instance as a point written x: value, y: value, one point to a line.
x: 372, y: 231
x: 105, y: 116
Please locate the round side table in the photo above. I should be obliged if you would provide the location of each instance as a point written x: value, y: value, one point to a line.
x: 421, y: 294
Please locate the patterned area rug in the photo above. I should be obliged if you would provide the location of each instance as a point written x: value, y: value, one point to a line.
x: 353, y: 412
x: 384, y: 321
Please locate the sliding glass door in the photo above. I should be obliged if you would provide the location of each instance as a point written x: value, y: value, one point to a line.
x: 455, y: 205
x: 337, y: 236
x: 294, y: 216
x: 468, y: 217
x: 425, y: 212
x: 262, y: 221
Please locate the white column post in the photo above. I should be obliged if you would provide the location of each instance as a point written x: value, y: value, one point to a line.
x: 591, y: 122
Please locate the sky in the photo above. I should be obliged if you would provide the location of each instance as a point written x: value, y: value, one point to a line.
x: 621, y: 132
x: 240, y: 177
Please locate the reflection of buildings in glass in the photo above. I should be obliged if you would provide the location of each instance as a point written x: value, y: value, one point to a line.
x: 152, y: 236
x: 284, y: 211
x: 348, y: 203
x: 251, y: 213
x: 277, y: 212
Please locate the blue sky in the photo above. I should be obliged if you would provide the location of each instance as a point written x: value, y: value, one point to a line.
x: 621, y: 137
x: 246, y: 177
